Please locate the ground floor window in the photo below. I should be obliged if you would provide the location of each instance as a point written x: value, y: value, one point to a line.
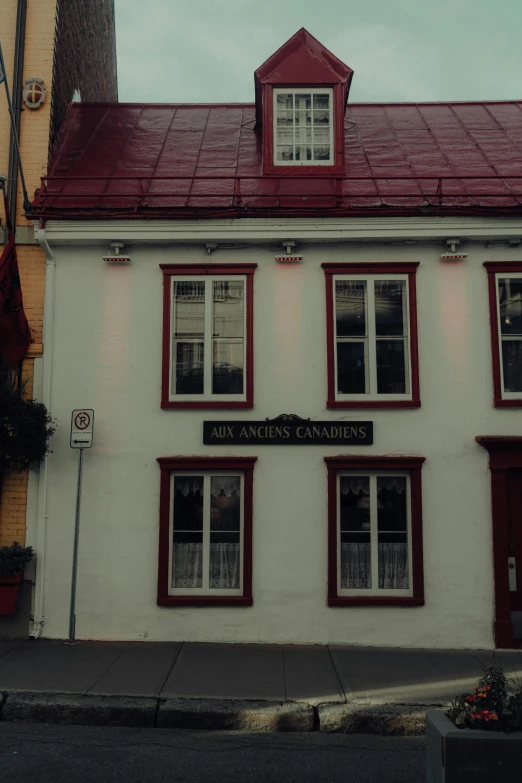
x: 375, y: 530
x: 205, y: 531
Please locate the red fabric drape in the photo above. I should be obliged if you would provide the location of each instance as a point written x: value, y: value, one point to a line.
x: 15, y: 335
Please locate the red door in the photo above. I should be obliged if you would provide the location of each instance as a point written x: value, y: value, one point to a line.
x: 514, y: 564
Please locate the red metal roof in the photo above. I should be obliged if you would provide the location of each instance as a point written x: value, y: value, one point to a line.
x: 179, y: 161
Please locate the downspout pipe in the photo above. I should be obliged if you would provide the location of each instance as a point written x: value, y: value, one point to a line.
x: 48, y: 343
x: 18, y: 68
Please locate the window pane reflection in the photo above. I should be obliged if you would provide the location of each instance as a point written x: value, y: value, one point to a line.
x: 391, y: 367
x: 512, y: 365
x: 350, y: 308
x: 227, y: 367
x: 351, y: 371
x: 189, y: 367
x: 189, y: 308
x: 510, y: 300
x: 389, y: 307
x: 228, y: 298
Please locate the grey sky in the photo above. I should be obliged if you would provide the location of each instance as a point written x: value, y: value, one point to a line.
x: 401, y: 50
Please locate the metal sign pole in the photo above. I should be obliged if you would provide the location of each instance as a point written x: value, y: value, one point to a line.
x: 72, y: 615
x: 82, y: 430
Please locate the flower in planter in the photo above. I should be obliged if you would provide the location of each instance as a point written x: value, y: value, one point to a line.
x: 494, y: 704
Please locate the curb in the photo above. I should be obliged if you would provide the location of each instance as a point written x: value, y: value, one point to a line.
x: 80, y: 709
x: 394, y: 720
x: 260, y: 716
x: 212, y: 714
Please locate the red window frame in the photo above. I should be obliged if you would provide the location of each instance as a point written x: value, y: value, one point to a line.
x: 406, y: 268
x: 411, y: 464
x: 338, y: 165
x: 173, y: 270
x: 493, y: 268
x: 169, y: 464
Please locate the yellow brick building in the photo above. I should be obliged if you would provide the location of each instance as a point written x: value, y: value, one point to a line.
x: 71, y: 46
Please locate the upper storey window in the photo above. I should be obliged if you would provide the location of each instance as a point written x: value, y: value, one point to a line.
x: 303, y: 127
x: 301, y: 95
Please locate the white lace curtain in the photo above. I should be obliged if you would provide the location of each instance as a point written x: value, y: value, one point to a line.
x: 227, y: 485
x: 357, y: 484
x: 224, y: 566
x: 190, y: 485
x: 187, y: 565
x: 356, y: 566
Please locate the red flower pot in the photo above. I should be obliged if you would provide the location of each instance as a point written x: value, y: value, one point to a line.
x: 9, y: 589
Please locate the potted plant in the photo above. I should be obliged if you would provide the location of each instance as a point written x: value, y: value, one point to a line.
x: 25, y: 430
x: 480, y: 737
x: 13, y: 560
x: 25, y: 427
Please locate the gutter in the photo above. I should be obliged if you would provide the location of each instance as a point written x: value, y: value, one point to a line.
x: 18, y: 67
x: 41, y: 522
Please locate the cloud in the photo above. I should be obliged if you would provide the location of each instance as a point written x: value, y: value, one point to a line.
x: 389, y: 64
x: 207, y: 50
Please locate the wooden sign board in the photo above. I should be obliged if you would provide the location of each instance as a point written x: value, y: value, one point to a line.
x: 288, y: 429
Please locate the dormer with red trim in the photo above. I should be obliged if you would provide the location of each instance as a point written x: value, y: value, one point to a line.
x: 301, y: 95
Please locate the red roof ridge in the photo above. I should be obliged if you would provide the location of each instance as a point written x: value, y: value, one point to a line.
x: 251, y: 104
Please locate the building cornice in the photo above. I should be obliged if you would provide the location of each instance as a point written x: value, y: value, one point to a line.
x: 415, y: 229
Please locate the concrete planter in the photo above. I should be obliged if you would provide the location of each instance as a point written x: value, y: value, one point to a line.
x: 463, y: 755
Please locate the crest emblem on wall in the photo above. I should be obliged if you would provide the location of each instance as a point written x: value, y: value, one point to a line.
x: 34, y: 92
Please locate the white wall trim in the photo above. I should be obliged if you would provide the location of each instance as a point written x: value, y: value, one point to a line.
x: 375, y: 229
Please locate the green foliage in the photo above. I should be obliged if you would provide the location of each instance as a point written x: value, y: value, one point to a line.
x: 25, y: 428
x: 515, y: 707
x: 494, y: 704
x: 496, y: 681
x: 13, y: 559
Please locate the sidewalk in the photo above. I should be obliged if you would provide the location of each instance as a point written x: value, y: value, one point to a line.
x: 235, y: 686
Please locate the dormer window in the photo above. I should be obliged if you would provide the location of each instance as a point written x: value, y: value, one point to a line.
x: 303, y: 127
x: 301, y: 94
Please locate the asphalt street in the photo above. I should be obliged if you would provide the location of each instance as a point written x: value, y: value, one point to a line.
x: 59, y: 754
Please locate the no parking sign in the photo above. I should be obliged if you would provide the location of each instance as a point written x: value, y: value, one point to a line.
x: 82, y: 427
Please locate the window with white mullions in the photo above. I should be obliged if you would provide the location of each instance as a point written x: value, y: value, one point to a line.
x: 509, y: 303
x: 371, y: 335
x: 374, y: 534
x: 303, y: 127
x: 206, y: 534
x: 208, y: 338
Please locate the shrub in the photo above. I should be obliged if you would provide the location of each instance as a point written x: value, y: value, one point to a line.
x: 13, y: 559
x: 25, y: 428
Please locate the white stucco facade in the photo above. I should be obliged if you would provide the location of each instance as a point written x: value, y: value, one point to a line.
x: 107, y: 354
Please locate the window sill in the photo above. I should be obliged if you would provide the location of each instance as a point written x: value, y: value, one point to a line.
x: 209, y: 404
x: 375, y: 403
x: 513, y: 403
x: 375, y: 600
x: 205, y: 600
x: 322, y: 170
